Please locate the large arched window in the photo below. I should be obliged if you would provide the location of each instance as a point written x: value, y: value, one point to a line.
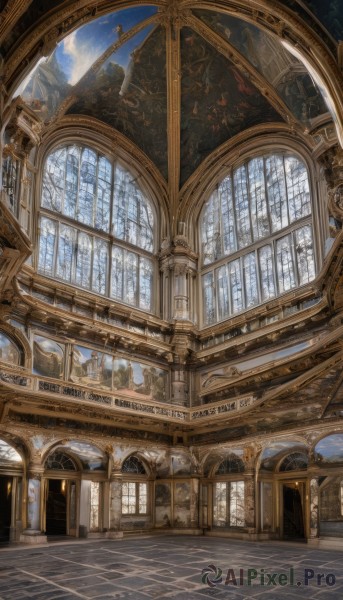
x: 96, y: 226
x: 260, y: 217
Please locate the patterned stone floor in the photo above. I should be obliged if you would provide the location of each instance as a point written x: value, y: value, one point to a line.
x: 170, y: 567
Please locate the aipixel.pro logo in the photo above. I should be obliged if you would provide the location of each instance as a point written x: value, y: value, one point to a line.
x: 213, y: 576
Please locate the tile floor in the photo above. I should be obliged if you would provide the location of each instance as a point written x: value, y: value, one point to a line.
x: 156, y: 567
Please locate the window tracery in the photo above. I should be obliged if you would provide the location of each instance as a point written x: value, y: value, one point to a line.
x: 96, y: 227
x: 133, y: 465
x: 232, y: 464
x: 58, y: 461
x: 297, y: 461
x: 260, y: 216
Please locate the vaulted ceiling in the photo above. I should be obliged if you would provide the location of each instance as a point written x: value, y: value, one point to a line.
x: 177, y: 78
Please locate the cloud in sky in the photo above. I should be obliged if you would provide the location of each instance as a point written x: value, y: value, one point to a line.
x: 79, y: 55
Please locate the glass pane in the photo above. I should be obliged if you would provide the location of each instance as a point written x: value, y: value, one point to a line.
x: 8, y: 351
x: 242, y: 207
x: 258, y: 201
x: 228, y: 217
x: 237, y: 504
x: 222, y: 280
x: 53, y: 180
x: 236, y: 286
x: 276, y: 190
x: 66, y: 252
x: 104, y: 188
x: 265, y: 256
x: 129, y: 500
x: 304, y: 254
x: 210, y: 230
x: 220, y: 504
x: 10, y: 175
x: 298, y: 190
x: 87, y: 187
x: 285, y: 265
x: 130, y: 278
x: 100, y: 266
x: 209, y: 301
x: 117, y: 273
x: 143, y: 499
x: 146, y: 224
x: 83, y: 260
x: 132, y: 216
x: 250, y: 280
x: 94, y: 514
x: 47, y: 246
x: 72, y: 182
x: 145, y: 283
x: 132, y: 220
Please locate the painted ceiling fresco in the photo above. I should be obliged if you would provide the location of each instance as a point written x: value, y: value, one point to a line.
x: 130, y: 93
x: 266, y: 54
x: 36, y: 10
x: 217, y: 101
x: 330, y: 14
x: 8, y: 454
x: 114, y: 69
x: 330, y: 449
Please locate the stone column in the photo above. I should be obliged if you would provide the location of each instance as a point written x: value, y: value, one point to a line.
x: 34, y: 506
x: 314, y: 510
x: 115, y: 505
x: 249, y: 501
x: 194, y: 502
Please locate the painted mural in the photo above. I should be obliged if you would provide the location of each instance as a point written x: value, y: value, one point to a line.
x: 137, y: 379
x: 182, y: 504
x: 329, y: 449
x: 267, y: 55
x: 9, y: 352
x: 8, y: 455
x: 29, y: 18
x: 48, y: 357
x: 163, y: 505
x: 91, y: 457
x: 129, y: 93
x: 217, y: 102
x: 54, y: 78
x: 91, y: 367
x: 330, y: 14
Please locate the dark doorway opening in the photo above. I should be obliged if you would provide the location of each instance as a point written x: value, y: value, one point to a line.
x: 5, y: 507
x: 293, y: 520
x: 56, y: 508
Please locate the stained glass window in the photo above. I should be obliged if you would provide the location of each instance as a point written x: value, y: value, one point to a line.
x: 90, y: 192
x: 260, y: 216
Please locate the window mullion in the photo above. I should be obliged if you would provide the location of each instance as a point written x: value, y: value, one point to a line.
x: 286, y: 189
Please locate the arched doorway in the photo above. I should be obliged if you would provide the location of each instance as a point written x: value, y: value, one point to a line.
x: 293, y: 512
x: 11, y: 470
x: 61, y: 494
x: 293, y: 496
